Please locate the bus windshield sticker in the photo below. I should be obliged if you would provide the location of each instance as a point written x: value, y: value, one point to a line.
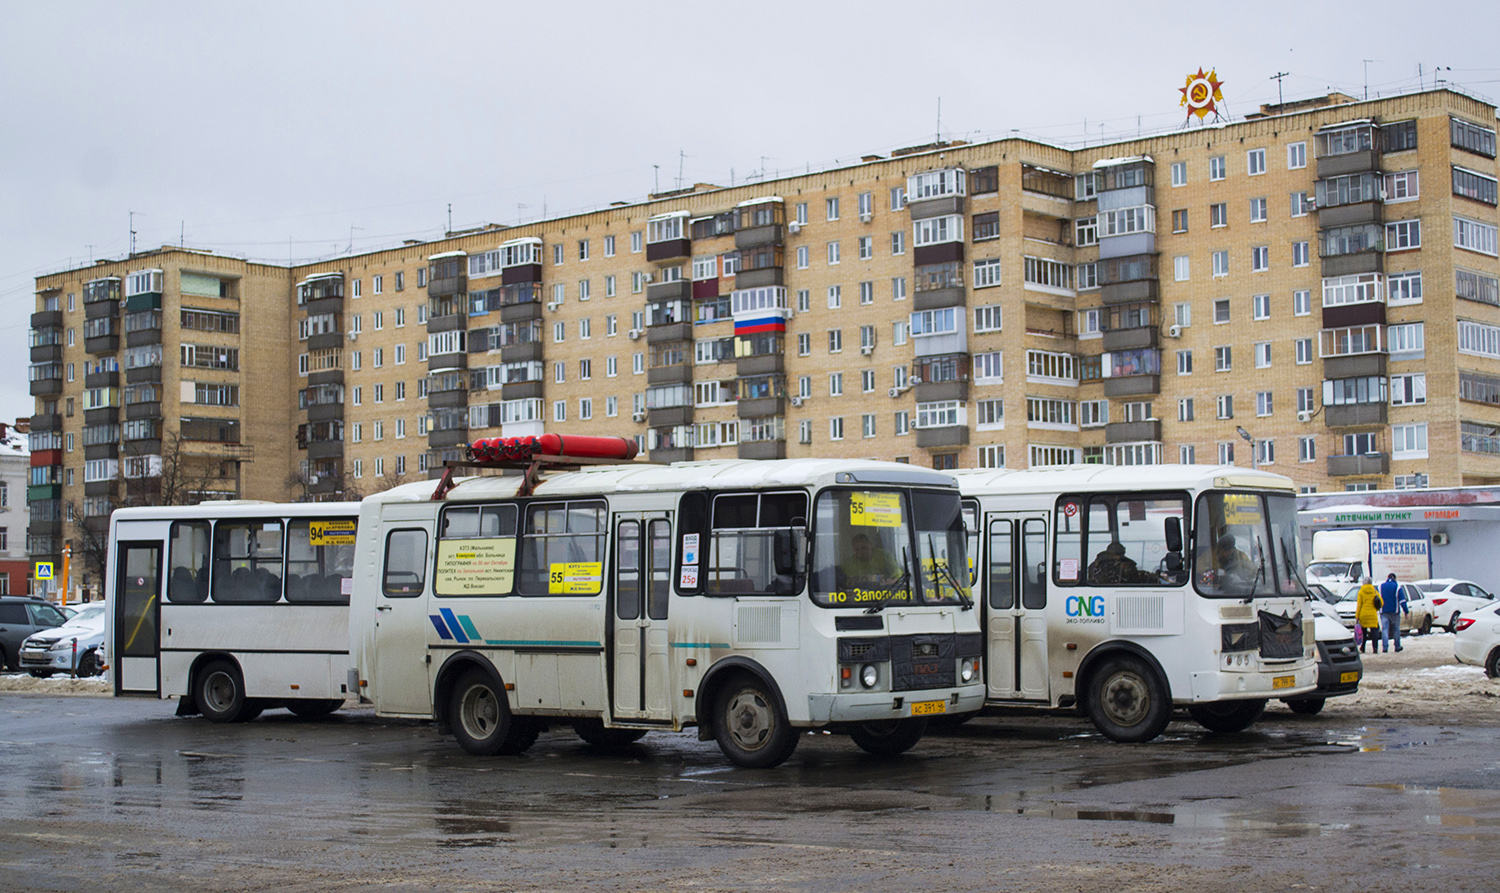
x: 875, y: 509
x: 690, y: 548
x: 1067, y: 569
x: 329, y: 532
x: 689, y: 577
x: 475, y: 567
x: 576, y: 578
x: 1242, y: 508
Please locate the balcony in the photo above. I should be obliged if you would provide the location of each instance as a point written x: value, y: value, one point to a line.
x: 1351, y: 215
x: 150, y: 410
x: 51, y: 421
x: 106, y: 415
x: 938, y: 298
x: 670, y: 249
x: 760, y: 407
x: 325, y: 341
x: 1130, y: 292
x: 672, y: 454
x: 1348, y: 414
x: 940, y: 253
x: 669, y: 416
x: 1133, y: 432
x: 526, y: 352
x: 1136, y: 338
x: 675, y: 373
x: 765, y: 276
x: 325, y: 449
x: 762, y: 364
x: 1364, y: 463
x: 455, y: 360
x: 47, y: 319
x: 761, y: 449
x: 104, y: 345
x: 451, y: 320
x: 1354, y: 365
x: 936, y: 391
x: 947, y: 436
x: 1348, y: 163
x: 1132, y: 386
x: 521, y: 273
x: 524, y: 311
x: 99, y: 488
x: 451, y: 437
x: 325, y: 412
x: 144, y: 374
x: 105, y: 378
x: 46, y: 387
x: 758, y: 236
x: 47, y: 353
x: 448, y: 399
x: 522, y: 390
x: 676, y: 290
x: 325, y: 376
x: 671, y: 331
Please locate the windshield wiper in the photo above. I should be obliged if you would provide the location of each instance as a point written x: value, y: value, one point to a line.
x: 1260, y: 570
x: 901, y: 582
x: 947, y: 571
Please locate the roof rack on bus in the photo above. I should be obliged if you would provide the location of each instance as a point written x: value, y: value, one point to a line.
x: 534, y: 455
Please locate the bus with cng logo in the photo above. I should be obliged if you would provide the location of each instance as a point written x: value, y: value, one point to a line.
x: 1126, y: 592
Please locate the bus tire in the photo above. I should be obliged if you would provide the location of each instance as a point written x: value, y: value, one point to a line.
x: 1227, y: 717
x: 751, y: 728
x: 1128, y: 701
x: 219, y: 690
x: 888, y: 738
x: 481, y: 717
x: 312, y: 708
x: 594, y: 734
x: 1306, y: 706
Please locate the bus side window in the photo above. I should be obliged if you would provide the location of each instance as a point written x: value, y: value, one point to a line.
x: 1034, y: 564
x: 1002, y: 582
x: 405, y: 573
x: 187, y: 563
x: 315, y: 573
x: 247, y: 562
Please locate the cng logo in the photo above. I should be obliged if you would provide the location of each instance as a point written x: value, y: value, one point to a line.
x: 1084, y: 608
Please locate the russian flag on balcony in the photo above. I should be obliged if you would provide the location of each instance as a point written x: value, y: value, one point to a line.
x: 759, y: 324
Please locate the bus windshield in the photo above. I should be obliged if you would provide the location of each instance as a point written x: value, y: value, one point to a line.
x: 873, y: 548
x: 1246, y: 545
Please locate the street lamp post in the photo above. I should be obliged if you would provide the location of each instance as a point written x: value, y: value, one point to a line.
x: 1250, y: 440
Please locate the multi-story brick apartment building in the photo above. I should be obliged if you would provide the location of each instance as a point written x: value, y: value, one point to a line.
x: 1319, y: 278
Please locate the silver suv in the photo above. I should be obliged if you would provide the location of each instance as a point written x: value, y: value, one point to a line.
x: 20, y: 616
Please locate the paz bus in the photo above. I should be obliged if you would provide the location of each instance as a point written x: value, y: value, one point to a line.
x: 752, y: 599
x: 1124, y: 592
x: 232, y: 607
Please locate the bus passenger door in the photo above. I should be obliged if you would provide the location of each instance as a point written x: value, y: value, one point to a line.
x: 1015, y: 607
x: 136, y: 650
x: 640, y: 668
x: 400, y: 675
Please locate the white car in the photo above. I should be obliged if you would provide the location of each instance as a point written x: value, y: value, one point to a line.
x: 1419, y: 618
x: 70, y: 648
x: 1478, y: 640
x: 1451, y: 597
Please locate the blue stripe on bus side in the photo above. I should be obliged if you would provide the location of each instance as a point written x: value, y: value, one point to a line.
x: 453, y: 625
x: 700, y: 644
x: 540, y: 643
x: 442, y: 629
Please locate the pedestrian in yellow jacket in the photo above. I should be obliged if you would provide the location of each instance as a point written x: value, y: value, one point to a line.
x: 1367, y: 614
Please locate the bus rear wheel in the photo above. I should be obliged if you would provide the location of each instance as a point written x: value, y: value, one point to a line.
x: 750, y: 726
x: 220, y: 694
x: 594, y: 734
x: 888, y: 738
x: 1306, y: 706
x: 481, y: 718
x: 1128, y: 701
x: 1227, y: 717
x: 312, y: 708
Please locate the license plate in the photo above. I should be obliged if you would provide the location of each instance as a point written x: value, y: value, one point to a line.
x: 1351, y: 676
x: 928, y: 708
x: 1283, y: 681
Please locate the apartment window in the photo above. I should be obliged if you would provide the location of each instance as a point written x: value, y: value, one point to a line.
x: 1473, y: 235
x: 1218, y: 214
x: 1226, y: 406
x: 899, y: 331
x: 1301, y: 254
x: 1261, y: 305
x: 1179, y: 173
x: 1472, y: 286
x: 898, y: 288
x: 638, y: 364
x: 379, y: 320
x: 1262, y: 403
x: 836, y: 428
x: 902, y: 422
x: 1223, y: 358
x: 1402, y: 186
x: 1258, y: 210
x: 1300, y: 204
x: 1086, y: 276
x: 1409, y: 390
x: 1184, y: 409
x: 1403, y: 234
x: 804, y: 257
x: 559, y: 332
x: 1086, y: 231
x: 1262, y: 354
x: 898, y: 243
x: 1093, y: 413
x: 1472, y: 138
x: 987, y: 226
x: 1304, y: 351
x: 1182, y: 314
x: 557, y: 255
x: 1184, y: 362
x: 354, y: 288
x: 835, y: 340
x: 1048, y: 274
x: 585, y: 369
x: 990, y: 415
x: 1472, y: 185
x: 1404, y: 288
x: 1407, y: 339
x: 1305, y: 400
x: 637, y: 239
x: 1260, y: 259
x: 866, y: 247
x: 1181, y: 268
x: 987, y: 318
x: 867, y: 292
x: 1296, y: 156
x: 989, y: 368
x: 1302, y: 302
x: 833, y: 253
x: 377, y: 284
x: 1255, y: 162
x: 835, y: 297
x: 1180, y: 220
x: 986, y: 272
x: 1216, y: 167
x: 1090, y: 322
x: 1221, y: 311
x: 1221, y: 264
x: 1409, y: 441
x: 559, y: 372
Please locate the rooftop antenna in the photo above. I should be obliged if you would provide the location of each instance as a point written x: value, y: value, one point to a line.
x: 450, y: 217
x: 656, y: 173
x: 132, y: 234
x: 182, y: 235
x: 938, y: 137
x: 1277, y: 78
x: 1367, y: 76
x: 352, y: 228
x: 681, y: 158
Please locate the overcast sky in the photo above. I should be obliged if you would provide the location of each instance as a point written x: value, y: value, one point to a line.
x: 275, y: 130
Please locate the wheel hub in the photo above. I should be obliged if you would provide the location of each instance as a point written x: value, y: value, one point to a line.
x: 1127, y: 698
x: 749, y: 720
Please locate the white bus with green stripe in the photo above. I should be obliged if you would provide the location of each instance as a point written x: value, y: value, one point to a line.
x: 752, y: 600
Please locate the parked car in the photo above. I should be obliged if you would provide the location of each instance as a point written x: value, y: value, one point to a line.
x: 1419, y: 618
x: 1339, y: 664
x: 1451, y: 597
x: 70, y: 648
x: 20, y: 616
x: 1478, y: 640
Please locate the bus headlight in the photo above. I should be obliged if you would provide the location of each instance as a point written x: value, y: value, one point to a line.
x: 968, y: 671
x: 868, y: 676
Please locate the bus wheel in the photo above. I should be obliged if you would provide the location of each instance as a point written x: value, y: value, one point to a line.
x: 1306, y: 706
x: 593, y: 732
x: 1128, y: 702
x: 311, y: 708
x: 220, y: 693
x: 1226, y: 717
x: 482, y: 721
x: 751, y: 729
x: 887, y: 738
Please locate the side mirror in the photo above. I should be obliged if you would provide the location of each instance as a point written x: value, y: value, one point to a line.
x: 1174, y: 534
x: 786, y: 554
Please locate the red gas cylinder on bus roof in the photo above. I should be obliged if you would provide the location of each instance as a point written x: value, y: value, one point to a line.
x: 587, y: 446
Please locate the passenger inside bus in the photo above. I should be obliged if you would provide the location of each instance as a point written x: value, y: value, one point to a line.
x: 1113, y: 566
x: 867, y: 565
x: 1230, y: 561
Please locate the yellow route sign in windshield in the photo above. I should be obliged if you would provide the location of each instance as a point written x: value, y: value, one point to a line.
x: 875, y: 509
